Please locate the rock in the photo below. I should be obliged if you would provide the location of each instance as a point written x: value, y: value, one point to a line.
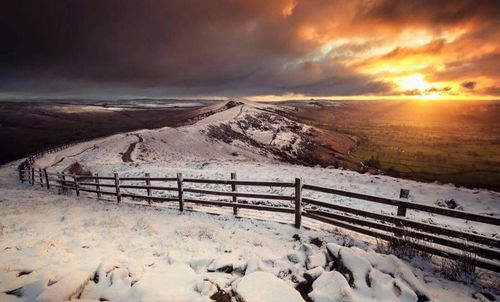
x: 306, y: 249
x: 223, y: 265
x: 313, y: 274
x: 354, y: 267
x: 265, y: 287
x: 450, y: 204
x: 316, y: 241
x: 206, y: 288
x: 331, y: 287
x: 221, y: 296
x: 333, y: 250
x: 393, y: 266
x: 66, y: 288
x: 253, y: 265
x: 318, y: 259
x: 296, y: 257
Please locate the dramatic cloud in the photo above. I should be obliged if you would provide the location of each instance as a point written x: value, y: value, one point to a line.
x: 240, y: 47
x: 469, y: 85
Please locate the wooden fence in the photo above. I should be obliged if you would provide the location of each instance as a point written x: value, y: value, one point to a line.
x: 426, y: 237
x: 30, y: 159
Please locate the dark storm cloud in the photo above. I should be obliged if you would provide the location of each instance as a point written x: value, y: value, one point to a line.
x: 429, y: 12
x: 203, y: 47
x: 469, y: 85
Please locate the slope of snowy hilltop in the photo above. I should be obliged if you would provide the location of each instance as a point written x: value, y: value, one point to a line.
x: 236, y: 131
x: 60, y: 248
x: 258, y: 143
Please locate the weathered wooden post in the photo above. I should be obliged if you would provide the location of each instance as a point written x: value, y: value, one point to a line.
x: 97, y: 187
x: 401, y: 210
x: 298, y: 202
x: 148, y: 184
x: 32, y: 176
x: 403, y: 194
x: 117, y: 187
x: 46, y: 178
x: 63, y: 182
x: 40, y: 175
x: 181, y: 191
x: 21, y: 178
x: 75, y: 182
x: 234, y: 189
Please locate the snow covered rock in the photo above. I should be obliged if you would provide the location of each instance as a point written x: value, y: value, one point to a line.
x: 331, y: 287
x: 313, y: 274
x: 66, y: 288
x: 363, y: 275
x: 265, y: 287
x: 316, y: 260
x: 178, y: 283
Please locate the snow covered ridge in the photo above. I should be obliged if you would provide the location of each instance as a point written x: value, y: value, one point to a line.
x: 237, y: 131
x: 88, y: 250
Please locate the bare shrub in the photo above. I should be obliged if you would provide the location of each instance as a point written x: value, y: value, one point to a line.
x: 464, y: 268
x: 403, y: 246
x: 77, y: 169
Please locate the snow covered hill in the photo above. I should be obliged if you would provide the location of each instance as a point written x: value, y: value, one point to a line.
x: 237, y: 131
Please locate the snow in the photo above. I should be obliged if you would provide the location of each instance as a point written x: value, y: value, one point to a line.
x: 316, y: 260
x: 331, y: 287
x: 96, y: 249
x: 265, y: 287
x: 357, y: 280
x: 68, y: 287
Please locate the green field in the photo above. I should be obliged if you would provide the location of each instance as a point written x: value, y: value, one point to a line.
x: 448, y: 142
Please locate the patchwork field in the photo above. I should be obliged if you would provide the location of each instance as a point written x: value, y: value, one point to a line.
x: 449, y: 142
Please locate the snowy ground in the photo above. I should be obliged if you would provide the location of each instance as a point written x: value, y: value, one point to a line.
x: 53, y: 248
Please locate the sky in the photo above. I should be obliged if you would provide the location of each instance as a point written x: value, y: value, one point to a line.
x: 260, y: 49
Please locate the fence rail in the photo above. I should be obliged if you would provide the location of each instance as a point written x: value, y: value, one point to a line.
x: 430, y: 238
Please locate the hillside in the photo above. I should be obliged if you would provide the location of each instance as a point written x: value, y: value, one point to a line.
x: 236, y: 131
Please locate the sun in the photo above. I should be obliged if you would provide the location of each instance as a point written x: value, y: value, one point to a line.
x: 413, y: 82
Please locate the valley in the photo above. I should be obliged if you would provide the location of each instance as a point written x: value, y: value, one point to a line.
x: 448, y: 142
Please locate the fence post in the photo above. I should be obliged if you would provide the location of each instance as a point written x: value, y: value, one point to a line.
x: 234, y: 189
x: 32, y: 176
x: 402, y: 213
x: 403, y: 193
x: 46, y: 178
x: 401, y: 210
x: 77, y: 189
x: 40, y: 175
x: 97, y: 187
x: 148, y: 190
x: 298, y: 202
x: 21, y: 178
x: 181, y: 191
x: 63, y: 182
x: 117, y: 186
